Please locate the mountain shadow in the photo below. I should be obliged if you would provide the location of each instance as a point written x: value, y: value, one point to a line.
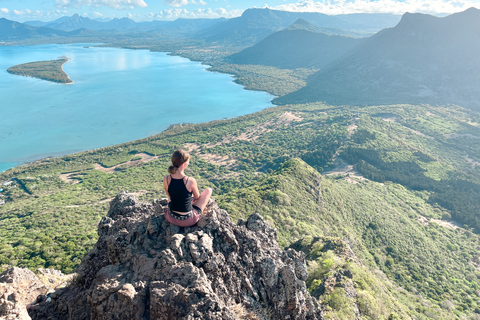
x: 424, y: 59
x: 301, y: 45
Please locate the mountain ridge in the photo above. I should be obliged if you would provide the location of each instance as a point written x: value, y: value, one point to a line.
x: 256, y: 24
x: 300, y: 45
x: 424, y: 59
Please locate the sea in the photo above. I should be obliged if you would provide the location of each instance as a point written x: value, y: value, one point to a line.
x: 117, y: 95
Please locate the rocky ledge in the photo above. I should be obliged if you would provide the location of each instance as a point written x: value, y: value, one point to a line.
x: 143, y: 267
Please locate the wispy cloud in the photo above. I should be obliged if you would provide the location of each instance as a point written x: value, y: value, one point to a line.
x: 181, y: 3
x: 4, y: 10
x: 378, y: 6
x: 116, y: 4
x: 22, y: 12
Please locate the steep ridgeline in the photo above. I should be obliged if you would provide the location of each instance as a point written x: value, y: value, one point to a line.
x: 424, y: 59
x: 76, y: 22
x: 301, y: 45
x: 256, y: 24
x: 142, y: 267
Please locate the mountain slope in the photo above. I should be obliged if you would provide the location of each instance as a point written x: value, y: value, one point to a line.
x: 75, y: 22
x: 78, y: 22
x: 423, y: 59
x: 384, y: 225
x: 256, y: 24
x: 301, y: 45
x: 12, y: 30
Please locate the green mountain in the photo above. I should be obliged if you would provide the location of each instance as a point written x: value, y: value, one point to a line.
x: 286, y: 164
x: 383, y: 226
x: 424, y: 59
x: 301, y: 45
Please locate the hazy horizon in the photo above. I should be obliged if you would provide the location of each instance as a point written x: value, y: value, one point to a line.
x: 147, y: 10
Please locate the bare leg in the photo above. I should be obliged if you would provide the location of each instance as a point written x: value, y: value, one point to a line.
x: 202, y: 201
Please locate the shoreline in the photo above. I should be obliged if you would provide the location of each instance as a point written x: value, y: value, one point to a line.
x: 71, y: 81
x: 36, y: 69
x: 46, y: 156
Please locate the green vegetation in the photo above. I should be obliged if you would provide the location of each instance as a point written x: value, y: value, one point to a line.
x: 47, y: 70
x: 273, y: 80
x: 381, y: 222
x: 271, y: 162
x: 415, y: 168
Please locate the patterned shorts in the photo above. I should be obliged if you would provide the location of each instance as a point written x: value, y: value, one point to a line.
x: 184, y: 221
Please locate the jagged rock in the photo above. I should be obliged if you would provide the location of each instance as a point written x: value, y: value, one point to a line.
x: 18, y: 287
x: 143, y: 267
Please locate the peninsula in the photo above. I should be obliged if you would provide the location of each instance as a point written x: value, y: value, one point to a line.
x: 51, y: 70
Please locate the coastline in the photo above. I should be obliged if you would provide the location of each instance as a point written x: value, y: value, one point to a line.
x: 38, y: 69
x: 71, y: 81
x: 46, y: 156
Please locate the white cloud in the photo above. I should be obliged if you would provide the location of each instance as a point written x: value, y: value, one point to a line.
x: 22, y: 12
x: 378, y: 6
x: 172, y: 14
x: 96, y: 14
x: 116, y: 4
x: 4, y: 10
x: 181, y: 3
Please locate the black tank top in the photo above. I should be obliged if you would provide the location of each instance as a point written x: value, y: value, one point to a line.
x: 181, y: 198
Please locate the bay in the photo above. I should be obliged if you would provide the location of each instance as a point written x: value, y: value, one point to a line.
x: 118, y: 95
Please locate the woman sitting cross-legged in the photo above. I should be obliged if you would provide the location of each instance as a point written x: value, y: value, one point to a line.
x: 185, y: 204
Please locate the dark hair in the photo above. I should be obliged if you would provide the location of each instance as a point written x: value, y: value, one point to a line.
x: 179, y: 157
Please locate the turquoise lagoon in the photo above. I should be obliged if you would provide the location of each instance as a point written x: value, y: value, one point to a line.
x: 118, y: 95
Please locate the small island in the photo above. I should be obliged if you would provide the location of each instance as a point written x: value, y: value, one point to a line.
x: 51, y: 70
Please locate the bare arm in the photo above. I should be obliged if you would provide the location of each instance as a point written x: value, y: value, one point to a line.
x: 193, y: 188
x: 165, y: 186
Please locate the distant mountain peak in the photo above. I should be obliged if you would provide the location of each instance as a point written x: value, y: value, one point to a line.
x: 302, y: 24
x: 424, y: 59
x: 409, y: 18
x: 471, y: 10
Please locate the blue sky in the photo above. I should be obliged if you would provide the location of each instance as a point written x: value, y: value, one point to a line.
x: 147, y: 10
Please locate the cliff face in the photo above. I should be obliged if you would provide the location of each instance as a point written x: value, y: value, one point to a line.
x: 145, y: 268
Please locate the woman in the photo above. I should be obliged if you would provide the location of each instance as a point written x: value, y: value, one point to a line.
x: 185, y: 204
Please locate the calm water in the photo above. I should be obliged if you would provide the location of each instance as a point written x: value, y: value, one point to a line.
x: 118, y: 95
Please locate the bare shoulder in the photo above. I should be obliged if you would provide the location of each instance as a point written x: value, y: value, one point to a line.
x: 191, y: 181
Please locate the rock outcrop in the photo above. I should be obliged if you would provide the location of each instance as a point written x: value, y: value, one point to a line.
x: 143, y: 267
x: 18, y: 287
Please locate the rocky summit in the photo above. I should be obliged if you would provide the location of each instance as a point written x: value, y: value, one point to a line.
x: 143, y: 267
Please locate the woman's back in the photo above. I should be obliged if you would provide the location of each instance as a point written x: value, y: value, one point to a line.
x: 185, y: 203
x: 181, y: 198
